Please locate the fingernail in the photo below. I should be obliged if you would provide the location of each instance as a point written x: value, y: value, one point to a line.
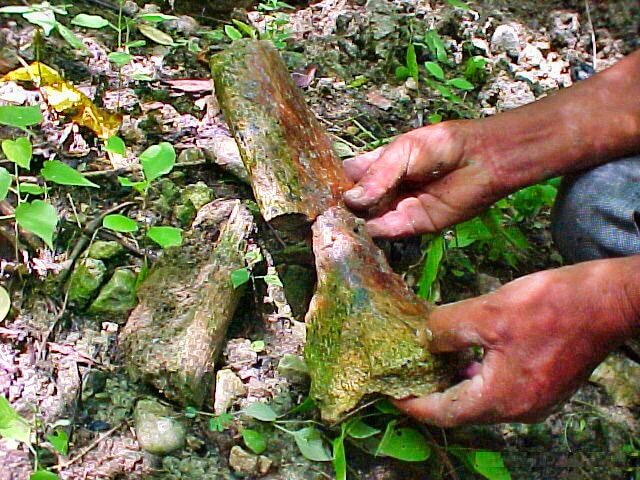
x: 355, y: 193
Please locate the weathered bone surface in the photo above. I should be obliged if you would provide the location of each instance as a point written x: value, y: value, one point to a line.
x: 294, y: 172
x: 174, y: 335
x: 366, y: 330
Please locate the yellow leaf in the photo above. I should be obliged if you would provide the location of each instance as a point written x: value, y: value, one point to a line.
x: 63, y: 97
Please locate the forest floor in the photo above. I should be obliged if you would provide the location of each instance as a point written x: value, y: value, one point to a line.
x: 81, y: 416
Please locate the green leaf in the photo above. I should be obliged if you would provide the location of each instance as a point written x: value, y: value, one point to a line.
x: 5, y: 303
x: 248, y: 30
x: 434, y: 70
x: 158, y: 36
x: 258, y: 346
x: 311, y: 445
x: 61, y: 173
x: 70, y: 37
x: 434, y: 118
x: 436, y: 45
x: 155, y: 17
x: 20, y: 117
x: 232, y: 32
x: 136, y: 44
x: 116, y: 145
x: 339, y: 458
x: 254, y: 440
x: 358, y: 429
x: 19, y: 151
x: 89, y: 21
x: 385, y: 406
x: 272, y: 280
x: 489, y: 464
x: 461, y: 83
x: 190, y: 412
x: 429, y: 274
x: 469, y: 232
x: 458, y: 4
x: 60, y: 441
x: 166, y: 236
x: 260, y: 411
x: 119, y: 223
x: 220, y: 422
x: 404, y: 444
x: 120, y: 59
x: 12, y: 425
x: 239, y: 277
x: 5, y: 182
x: 44, y: 19
x: 44, y: 475
x: 139, y: 186
x: 39, y: 218
x: 31, y: 189
x: 412, y: 62
x: 306, y: 406
x: 16, y: 9
x: 157, y: 160
x: 141, y: 77
x: 402, y: 73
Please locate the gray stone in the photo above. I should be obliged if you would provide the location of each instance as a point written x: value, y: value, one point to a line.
x: 228, y: 388
x: 530, y: 55
x: 157, y: 430
x: 103, y: 250
x: 505, y: 39
x: 85, y: 281
x: 243, y: 462
x: 118, y: 296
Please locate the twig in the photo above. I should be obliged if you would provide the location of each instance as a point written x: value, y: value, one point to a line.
x: 137, y: 168
x: 87, y: 449
x: 593, y: 35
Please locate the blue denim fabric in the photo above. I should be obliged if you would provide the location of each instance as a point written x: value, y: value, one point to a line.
x: 597, y: 212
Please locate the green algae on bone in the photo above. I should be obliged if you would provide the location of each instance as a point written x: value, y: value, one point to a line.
x: 366, y: 331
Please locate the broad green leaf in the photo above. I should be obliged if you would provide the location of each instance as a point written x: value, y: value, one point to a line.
x: 60, y: 441
x: 385, y: 406
x: 61, y: 173
x: 21, y: 117
x: 119, y: 59
x: 70, y: 37
x: 116, y: 145
x: 44, y: 19
x: 232, y: 32
x: 404, y: 444
x: 89, y: 21
x: 157, y: 160
x: 260, y: 411
x: 158, y: 36
x: 434, y: 118
x: 311, y: 445
x: 31, y: 189
x: 5, y: 303
x: 469, y: 232
x: 248, y: 30
x: 239, y: 277
x: 139, y: 186
x: 306, y: 406
x: 5, y: 182
x: 339, y: 458
x: 434, y: 70
x: 458, y: 4
x: 447, y: 93
x: 254, y: 440
x: 253, y: 256
x: 273, y: 279
x: 12, y: 425
x: 16, y: 9
x: 402, y: 73
x: 136, y: 44
x: 19, y: 151
x: 220, y: 422
x: 436, y: 45
x: 166, y: 236
x: 412, y: 61
x: 358, y: 429
x: 190, y: 412
x: 155, y: 17
x: 44, y: 475
x: 343, y: 150
x: 490, y: 465
x: 461, y: 83
x: 39, y: 218
x: 119, y: 223
x: 429, y: 274
x: 258, y: 346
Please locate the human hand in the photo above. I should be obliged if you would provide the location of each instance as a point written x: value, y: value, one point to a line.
x: 423, y: 181
x: 542, y: 335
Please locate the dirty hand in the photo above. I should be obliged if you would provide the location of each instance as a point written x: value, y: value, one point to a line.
x: 542, y: 336
x: 423, y: 181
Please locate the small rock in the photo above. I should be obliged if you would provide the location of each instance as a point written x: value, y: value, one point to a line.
x: 198, y: 193
x: 243, y: 462
x: 228, y: 388
x: 156, y: 429
x: 118, y: 295
x: 103, y: 250
x: 374, y: 98
x: 505, y: 39
x: 185, y: 25
x: 411, y: 84
x: 293, y: 368
x: 264, y: 464
x: 487, y: 284
x: 85, y: 280
x: 191, y: 155
x: 620, y: 377
x: 531, y: 55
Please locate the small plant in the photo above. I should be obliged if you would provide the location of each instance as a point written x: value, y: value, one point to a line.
x: 274, y: 30
x: 242, y: 275
x: 156, y: 161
